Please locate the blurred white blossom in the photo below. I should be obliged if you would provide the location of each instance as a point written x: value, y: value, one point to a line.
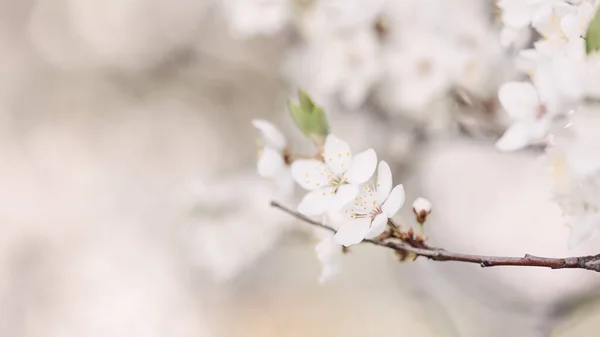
x: 330, y: 255
x: 345, y: 66
x: 555, y: 91
x: 271, y: 161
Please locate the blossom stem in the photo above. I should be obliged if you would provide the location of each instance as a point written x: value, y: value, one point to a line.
x: 591, y: 262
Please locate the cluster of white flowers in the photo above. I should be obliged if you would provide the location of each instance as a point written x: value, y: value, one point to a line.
x: 340, y: 190
x: 400, y: 54
x: 402, y: 57
x: 547, y: 109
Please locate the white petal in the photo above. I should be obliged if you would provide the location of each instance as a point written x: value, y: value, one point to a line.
x: 581, y: 231
x: 575, y: 49
x: 550, y: 47
x: 311, y: 174
x: 570, y: 26
x: 547, y: 19
x: 316, y: 202
x: 285, y: 183
x: 352, y: 232
x: 363, y: 167
x: 384, y: 181
x: 337, y: 154
x: 527, y: 60
x: 516, y: 137
x: 394, y: 201
x: 585, y: 12
x: 377, y: 226
x: 271, y: 134
x: 334, y: 219
x: 343, y: 196
x: 328, y: 249
x: 329, y: 254
x: 269, y: 163
x: 519, y: 99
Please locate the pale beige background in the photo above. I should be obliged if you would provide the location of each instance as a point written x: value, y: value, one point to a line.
x: 129, y: 205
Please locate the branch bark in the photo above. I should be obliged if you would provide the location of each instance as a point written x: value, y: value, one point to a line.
x: 591, y: 262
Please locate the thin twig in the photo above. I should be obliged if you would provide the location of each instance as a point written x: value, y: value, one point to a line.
x: 591, y: 262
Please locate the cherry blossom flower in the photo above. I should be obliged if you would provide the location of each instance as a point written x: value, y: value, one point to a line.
x: 345, y: 66
x: 575, y: 168
x: 334, y: 182
x: 547, y: 19
x: 574, y: 24
x: 368, y: 215
x: 532, y: 107
x: 522, y: 102
x: 330, y: 255
x: 271, y: 161
x: 577, y: 194
x: 416, y: 76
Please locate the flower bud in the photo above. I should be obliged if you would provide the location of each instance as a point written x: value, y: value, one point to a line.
x: 421, y: 208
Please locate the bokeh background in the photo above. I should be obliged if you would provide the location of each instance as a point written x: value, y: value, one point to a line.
x: 130, y: 204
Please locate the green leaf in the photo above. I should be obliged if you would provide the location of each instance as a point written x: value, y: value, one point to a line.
x: 309, y: 118
x: 592, y: 36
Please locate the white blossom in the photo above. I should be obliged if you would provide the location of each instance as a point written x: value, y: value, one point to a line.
x: 334, y: 182
x: 574, y: 24
x: 416, y: 76
x: 330, y: 255
x: 271, y: 161
x: 368, y: 215
x: 579, y: 197
x: 531, y: 119
x: 576, y: 171
x: 547, y: 19
x: 533, y: 108
x: 343, y: 65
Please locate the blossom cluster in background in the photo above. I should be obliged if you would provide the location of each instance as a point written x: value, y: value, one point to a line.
x: 547, y: 108
x: 401, y: 55
x: 403, y: 58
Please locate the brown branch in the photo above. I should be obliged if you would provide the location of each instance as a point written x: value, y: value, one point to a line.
x: 591, y: 262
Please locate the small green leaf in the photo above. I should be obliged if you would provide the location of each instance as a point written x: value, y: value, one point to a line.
x: 305, y: 101
x: 592, y: 36
x: 309, y: 118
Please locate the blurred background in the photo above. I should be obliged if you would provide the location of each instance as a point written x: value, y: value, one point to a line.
x: 130, y: 203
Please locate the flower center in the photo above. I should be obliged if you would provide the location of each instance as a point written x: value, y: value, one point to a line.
x: 365, y: 205
x: 338, y: 180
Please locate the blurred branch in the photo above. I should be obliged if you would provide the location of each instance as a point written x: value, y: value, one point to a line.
x: 406, y: 245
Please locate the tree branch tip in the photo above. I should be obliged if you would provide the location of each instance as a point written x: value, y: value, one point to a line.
x: 407, y: 246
